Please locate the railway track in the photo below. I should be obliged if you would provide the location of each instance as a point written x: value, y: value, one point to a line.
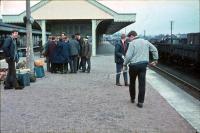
x: 186, y: 86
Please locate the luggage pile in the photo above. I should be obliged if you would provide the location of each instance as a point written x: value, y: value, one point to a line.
x: 25, y: 76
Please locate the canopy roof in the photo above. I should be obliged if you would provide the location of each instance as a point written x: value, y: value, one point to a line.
x: 75, y: 10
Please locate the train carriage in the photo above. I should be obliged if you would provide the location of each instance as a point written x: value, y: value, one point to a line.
x: 184, y: 54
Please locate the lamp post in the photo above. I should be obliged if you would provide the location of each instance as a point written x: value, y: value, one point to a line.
x: 171, y: 27
x: 29, y: 41
x: 144, y: 33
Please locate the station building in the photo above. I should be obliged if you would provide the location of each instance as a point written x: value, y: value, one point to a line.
x: 88, y: 17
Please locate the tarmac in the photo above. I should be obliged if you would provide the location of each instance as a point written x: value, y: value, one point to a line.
x: 92, y: 103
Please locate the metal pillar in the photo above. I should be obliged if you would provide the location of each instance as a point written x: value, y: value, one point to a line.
x: 43, y: 27
x: 94, y: 26
x: 29, y: 40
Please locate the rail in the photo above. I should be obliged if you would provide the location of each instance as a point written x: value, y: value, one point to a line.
x: 189, y: 88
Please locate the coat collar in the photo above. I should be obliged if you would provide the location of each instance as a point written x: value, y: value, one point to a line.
x: 137, y: 37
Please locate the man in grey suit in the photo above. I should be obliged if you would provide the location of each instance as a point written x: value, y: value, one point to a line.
x: 74, y: 53
x: 86, y: 55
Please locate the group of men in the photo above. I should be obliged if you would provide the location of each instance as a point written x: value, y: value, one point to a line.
x: 59, y: 51
x: 62, y: 51
x: 134, y: 52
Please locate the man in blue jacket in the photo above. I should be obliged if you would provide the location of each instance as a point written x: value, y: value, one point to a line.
x: 120, y: 52
x: 58, y: 58
x: 11, y: 56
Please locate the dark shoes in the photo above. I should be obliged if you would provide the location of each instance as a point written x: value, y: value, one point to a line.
x: 140, y: 105
x: 19, y: 88
x: 7, y: 88
x: 16, y: 88
x: 132, y: 101
x: 118, y: 84
x: 88, y: 70
x: 126, y: 84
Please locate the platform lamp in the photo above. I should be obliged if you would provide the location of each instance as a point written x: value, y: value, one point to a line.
x: 171, y: 27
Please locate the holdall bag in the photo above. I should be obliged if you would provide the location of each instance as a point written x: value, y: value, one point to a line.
x: 39, y: 71
x: 23, y: 79
x: 31, y: 74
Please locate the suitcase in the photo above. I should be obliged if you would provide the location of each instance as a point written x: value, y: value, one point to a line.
x: 39, y: 71
x: 23, y: 79
x: 31, y: 75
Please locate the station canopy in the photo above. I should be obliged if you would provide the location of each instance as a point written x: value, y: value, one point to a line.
x: 109, y: 20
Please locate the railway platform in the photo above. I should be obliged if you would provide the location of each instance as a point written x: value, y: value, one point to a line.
x: 92, y: 103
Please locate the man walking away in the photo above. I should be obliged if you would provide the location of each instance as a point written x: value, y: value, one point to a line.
x: 137, y: 57
x: 120, y: 51
x: 11, y: 56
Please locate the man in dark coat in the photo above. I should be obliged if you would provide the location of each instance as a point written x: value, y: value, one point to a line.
x: 51, y: 53
x: 120, y: 52
x: 45, y: 53
x: 58, y: 59
x: 66, y: 54
x: 88, y: 56
x: 81, y: 44
x: 85, y: 55
x: 11, y: 56
x: 74, y: 53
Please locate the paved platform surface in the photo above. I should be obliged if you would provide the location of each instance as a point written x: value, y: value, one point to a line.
x: 86, y: 103
x: 186, y: 105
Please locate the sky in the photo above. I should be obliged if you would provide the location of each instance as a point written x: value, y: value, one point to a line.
x: 152, y: 16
